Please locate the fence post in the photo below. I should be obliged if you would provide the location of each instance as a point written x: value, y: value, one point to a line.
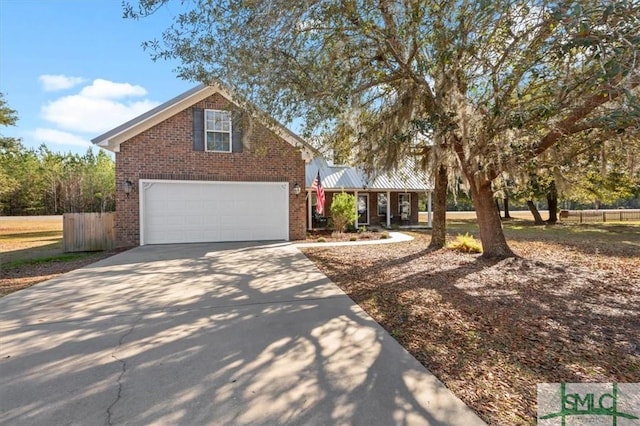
x: 604, y: 216
x: 580, y: 218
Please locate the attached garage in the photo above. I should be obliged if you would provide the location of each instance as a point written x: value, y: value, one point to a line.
x: 201, y: 211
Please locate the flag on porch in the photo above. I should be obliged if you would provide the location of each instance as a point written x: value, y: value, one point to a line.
x: 317, y: 186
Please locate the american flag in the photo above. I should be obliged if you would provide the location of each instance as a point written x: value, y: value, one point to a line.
x: 317, y: 186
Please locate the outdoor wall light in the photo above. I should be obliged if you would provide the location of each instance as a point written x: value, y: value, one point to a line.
x: 296, y: 189
x: 127, y: 186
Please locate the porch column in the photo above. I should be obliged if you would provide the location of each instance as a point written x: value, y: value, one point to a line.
x: 388, y: 209
x: 357, y: 215
x: 309, y: 208
x: 429, y: 214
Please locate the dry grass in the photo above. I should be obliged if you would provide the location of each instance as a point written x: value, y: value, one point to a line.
x: 566, y: 311
x: 31, y: 252
x: 21, y: 233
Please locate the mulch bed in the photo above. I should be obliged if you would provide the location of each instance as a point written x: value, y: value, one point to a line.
x: 492, y: 330
x: 333, y: 236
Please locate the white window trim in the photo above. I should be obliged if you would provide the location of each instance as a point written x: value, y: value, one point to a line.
x: 408, y: 195
x: 207, y: 131
x: 378, y: 204
x: 368, y: 212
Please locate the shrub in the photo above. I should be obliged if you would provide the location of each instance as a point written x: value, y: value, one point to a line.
x: 466, y: 244
x: 343, y: 210
x: 362, y: 229
x: 384, y: 235
x: 353, y: 239
x: 321, y: 240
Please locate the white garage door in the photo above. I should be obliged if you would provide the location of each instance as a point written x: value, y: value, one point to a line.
x: 190, y: 212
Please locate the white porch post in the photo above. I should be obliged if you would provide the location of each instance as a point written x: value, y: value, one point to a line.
x: 429, y: 214
x: 309, y: 206
x: 356, y: 194
x: 388, y: 209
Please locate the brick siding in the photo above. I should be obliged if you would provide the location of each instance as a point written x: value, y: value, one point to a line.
x: 165, y: 152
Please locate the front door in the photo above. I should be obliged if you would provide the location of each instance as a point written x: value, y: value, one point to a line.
x: 363, y: 209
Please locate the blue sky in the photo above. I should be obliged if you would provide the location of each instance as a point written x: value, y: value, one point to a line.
x: 74, y: 69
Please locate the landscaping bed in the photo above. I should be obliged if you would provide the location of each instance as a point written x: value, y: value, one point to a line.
x: 566, y: 311
x: 328, y: 235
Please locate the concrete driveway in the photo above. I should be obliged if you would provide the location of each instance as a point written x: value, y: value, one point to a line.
x: 207, y: 334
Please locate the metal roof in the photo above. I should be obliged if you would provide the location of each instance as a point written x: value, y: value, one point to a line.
x: 353, y: 178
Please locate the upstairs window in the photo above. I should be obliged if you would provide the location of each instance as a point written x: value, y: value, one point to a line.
x: 217, y: 128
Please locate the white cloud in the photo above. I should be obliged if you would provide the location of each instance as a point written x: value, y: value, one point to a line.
x: 105, y: 89
x: 51, y: 83
x: 97, y: 107
x: 58, y: 137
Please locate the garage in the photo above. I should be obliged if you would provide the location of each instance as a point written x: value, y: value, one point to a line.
x: 199, y: 211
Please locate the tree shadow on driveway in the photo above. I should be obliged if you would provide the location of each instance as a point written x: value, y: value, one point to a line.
x: 207, y: 334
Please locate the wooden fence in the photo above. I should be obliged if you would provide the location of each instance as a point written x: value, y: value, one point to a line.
x: 88, y: 231
x: 589, y: 216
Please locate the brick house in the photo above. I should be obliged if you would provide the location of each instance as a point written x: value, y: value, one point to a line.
x: 199, y: 168
x: 383, y: 200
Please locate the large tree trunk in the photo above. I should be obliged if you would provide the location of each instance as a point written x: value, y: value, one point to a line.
x: 439, y: 221
x: 494, y: 244
x: 552, y: 203
x: 534, y: 211
x: 506, y: 207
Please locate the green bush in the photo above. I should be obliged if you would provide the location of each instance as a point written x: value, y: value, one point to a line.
x: 384, y: 235
x: 343, y: 211
x: 353, y: 239
x: 321, y: 240
x: 465, y: 243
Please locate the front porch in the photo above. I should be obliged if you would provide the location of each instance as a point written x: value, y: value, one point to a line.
x: 387, y: 200
x: 384, y: 209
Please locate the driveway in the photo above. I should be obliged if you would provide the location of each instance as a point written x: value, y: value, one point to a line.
x: 207, y: 334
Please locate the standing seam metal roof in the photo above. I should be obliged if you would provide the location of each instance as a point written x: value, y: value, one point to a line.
x: 353, y: 178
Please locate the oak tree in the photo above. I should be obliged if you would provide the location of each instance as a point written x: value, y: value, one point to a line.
x: 494, y: 84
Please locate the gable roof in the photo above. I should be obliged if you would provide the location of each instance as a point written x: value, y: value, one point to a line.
x: 353, y: 178
x: 112, y: 139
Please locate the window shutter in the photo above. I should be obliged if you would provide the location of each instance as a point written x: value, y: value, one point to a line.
x: 236, y: 127
x: 198, y: 129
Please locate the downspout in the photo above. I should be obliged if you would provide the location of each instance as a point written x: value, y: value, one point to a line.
x: 309, y: 208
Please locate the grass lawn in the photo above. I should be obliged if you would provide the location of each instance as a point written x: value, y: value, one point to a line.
x: 31, y: 251
x: 29, y: 236
x: 567, y: 310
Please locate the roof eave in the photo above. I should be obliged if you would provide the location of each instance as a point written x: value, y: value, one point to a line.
x: 112, y: 139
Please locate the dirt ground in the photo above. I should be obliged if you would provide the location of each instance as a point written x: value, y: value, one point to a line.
x: 567, y: 310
